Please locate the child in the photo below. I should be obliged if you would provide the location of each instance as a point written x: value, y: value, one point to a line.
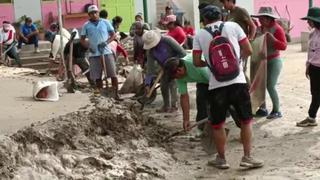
x: 313, y: 66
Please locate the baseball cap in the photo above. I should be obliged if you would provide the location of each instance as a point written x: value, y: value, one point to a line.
x: 211, y: 12
x: 93, y: 8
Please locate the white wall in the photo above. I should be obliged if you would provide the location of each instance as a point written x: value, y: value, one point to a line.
x: 191, y: 12
x: 247, y: 4
x: 138, y: 6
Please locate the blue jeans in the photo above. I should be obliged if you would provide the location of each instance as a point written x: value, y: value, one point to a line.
x: 32, y: 40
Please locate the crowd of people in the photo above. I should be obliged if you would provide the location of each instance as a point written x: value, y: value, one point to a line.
x: 217, y: 64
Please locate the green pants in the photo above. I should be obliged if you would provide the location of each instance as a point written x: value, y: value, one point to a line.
x: 274, y: 68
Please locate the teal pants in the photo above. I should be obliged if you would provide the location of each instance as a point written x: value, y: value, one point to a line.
x: 273, y: 71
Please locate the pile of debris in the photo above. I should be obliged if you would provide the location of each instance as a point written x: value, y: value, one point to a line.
x: 111, y: 141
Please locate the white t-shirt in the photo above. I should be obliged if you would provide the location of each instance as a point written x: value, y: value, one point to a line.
x: 9, y: 36
x: 235, y: 35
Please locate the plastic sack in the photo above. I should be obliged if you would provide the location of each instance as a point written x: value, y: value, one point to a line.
x: 52, y: 90
x: 133, y: 81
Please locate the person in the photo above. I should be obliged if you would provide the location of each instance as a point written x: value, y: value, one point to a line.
x: 160, y: 49
x: 116, y: 22
x: 118, y: 49
x: 139, y: 54
x: 184, y: 71
x: 222, y: 94
x: 7, y: 42
x: 174, y: 29
x: 313, y: 66
x: 138, y: 18
x: 103, y: 14
x: 29, y: 35
x: 168, y: 11
x: 240, y: 16
x: 100, y: 33
x: 190, y: 32
x: 276, y: 41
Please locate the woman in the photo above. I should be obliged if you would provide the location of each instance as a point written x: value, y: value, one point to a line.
x: 313, y: 66
x: 161, y: 48
x: 276, y: 41
x: 175, y: 30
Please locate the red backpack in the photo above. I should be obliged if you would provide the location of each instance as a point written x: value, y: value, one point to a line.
x: 223, y: 61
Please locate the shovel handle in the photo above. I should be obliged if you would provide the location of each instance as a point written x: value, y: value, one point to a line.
x: 155, y: 83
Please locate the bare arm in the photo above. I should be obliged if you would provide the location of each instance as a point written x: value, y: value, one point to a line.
x: 184, y: 101
x: 112, y: 36
x: 197, y: 60
x: 246, y: 49
x: 252, y: 30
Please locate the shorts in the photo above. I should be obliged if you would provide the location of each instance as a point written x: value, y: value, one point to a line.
x: 221, y: 99
x: 96, y: 66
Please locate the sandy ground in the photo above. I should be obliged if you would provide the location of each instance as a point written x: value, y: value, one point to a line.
x: 289, y: 152
x: 17, y: 107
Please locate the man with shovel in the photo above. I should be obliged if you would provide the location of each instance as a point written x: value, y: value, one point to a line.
x: 100, y: 33
x: 185, y: 72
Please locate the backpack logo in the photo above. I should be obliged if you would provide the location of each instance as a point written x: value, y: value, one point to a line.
x: 223, y: 61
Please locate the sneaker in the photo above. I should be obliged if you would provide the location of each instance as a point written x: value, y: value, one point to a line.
x: 219, y: 163
x: 307, y: 122
x: 274, y: 115
x: 36, y: 50
x: 262, y: 112
x: 250, y: 162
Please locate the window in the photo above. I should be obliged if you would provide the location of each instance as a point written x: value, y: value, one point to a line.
x: 5, y: 1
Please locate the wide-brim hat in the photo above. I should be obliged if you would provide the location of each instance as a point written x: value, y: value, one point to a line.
x: 151, y: 39
x: 313, y: 14
x: 266, y: 11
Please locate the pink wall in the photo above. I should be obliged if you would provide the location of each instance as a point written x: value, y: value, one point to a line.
x: 297, y: 9
x: 76, y: 7
x: 6, y: 13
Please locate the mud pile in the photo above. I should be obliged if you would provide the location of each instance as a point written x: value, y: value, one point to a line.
x: 110, y: 141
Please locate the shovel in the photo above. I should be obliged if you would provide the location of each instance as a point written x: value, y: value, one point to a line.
x: 146, y: 99
x: 183, y: 131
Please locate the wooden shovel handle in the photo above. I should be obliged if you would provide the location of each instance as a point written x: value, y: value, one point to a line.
x: 155, y: 83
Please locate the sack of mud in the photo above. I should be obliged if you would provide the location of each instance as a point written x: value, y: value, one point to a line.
x: 133, y: 81
x: 46, y: 91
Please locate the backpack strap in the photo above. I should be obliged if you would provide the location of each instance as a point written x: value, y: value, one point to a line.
x: 218, y: 30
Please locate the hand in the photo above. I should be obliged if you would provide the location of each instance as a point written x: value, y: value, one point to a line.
x: 26, y: 39
x: 307, y: 72
x: 101, y: 46
x: 186, y: 125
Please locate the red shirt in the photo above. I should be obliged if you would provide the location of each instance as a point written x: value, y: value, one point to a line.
x: 178, y: 34
x: 189, y: 31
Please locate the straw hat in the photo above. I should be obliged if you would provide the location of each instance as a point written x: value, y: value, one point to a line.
x: 266, y: 11
x: 151, y: 39
x: 313, y: 14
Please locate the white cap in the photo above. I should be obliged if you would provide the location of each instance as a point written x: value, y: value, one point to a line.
x: 93, y: 8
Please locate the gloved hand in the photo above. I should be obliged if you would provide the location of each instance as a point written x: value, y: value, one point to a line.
x: 101, y: 46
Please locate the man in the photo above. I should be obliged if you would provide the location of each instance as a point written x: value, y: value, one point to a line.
x: 7, y: 42
x: 29, y: 35
x: 185, y: 72
x: 241, y: 16
x: 159, y: 49
x: 100, y: 33
x: 222, y: 94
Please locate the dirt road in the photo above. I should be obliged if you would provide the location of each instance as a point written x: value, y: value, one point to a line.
x: 289, y: 152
